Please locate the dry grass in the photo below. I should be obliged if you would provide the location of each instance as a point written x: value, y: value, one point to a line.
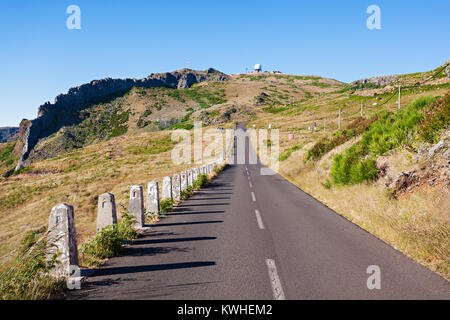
x: 78, y: 178
x: 417, y: 224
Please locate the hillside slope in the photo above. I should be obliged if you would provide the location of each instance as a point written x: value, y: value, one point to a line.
x: 109, y: 108
x: 119, y: 142
x: 387, y: 170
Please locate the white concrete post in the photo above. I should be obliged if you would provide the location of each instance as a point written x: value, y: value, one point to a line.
x: 106, y: 211
x: 62, y: 240
x: 176, y: 187
x: 190, y: 177
x: 153, y: 198
x: 136, y: 206
x: 167, y: 189
x: 195, y: 173
x: 183, y: 181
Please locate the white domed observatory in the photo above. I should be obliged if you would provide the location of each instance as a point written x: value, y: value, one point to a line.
x: 258, y: 67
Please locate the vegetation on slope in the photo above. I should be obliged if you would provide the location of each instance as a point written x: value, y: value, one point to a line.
x: 28, y: 278
x: 435, y: 120
x: 357, y: 163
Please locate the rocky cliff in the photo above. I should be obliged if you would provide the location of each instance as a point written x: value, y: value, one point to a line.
x: 53, y: 116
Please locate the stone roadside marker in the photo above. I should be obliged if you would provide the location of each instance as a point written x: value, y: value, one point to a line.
x: 190, y: 178
x: 106, y: 211
x: 167, y: 189
x: 136, y: 207
x: 153, y: 198
x: 176, y: 187
x: 183, y: 181
x: 195, y: 174
x: 62, y: 240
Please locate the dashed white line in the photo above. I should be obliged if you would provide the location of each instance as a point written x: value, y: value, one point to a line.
x: 258, y: 218
x: 277, y: 289
x: 253, y: 197
x: 251, y: 186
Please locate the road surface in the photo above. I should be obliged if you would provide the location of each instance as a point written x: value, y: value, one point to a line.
x: 248, y: 236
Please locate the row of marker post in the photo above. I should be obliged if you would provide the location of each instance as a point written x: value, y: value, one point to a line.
x: 61, y: 237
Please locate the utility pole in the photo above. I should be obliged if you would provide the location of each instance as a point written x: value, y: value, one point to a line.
x: 339, y: 119
x: 314, y: 121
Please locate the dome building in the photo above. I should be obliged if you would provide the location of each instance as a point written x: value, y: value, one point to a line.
x: 258, y: 68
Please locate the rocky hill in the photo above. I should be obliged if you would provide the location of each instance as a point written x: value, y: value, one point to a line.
x: 65, y: 111
x: 119, y: 134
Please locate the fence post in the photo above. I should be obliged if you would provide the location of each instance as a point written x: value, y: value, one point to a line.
x: 339, y: 119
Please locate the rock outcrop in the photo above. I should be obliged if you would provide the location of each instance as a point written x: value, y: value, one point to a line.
x: 433, y: 168
x: 63, y: 112
x: 8, y: 134
x: 375, y: 81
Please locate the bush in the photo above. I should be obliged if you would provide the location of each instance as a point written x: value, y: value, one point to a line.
x: 166, y: 205
x: 108, y: 242
x: 29, y: 278
x: 355, y: 128
x: 357, y: 164
x: 202, y: 180
x: 288, y: 152
x: 436, y: 119
x: 185, y: 194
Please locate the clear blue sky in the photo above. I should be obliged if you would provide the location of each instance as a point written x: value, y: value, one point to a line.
x: 40, y: 57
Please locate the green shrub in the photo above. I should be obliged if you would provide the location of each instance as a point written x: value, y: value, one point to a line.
x: 108, y: 242
x: 182, y: 126
x: 202, y: 180
x: 436, y: 119
x: 357, y: 163
x: 185, y: 194
x: 275, y: 110
x: 166, y: 205
x: 327, y: 184
x: 29, y: 278
x: 356, y: 127
x: 288, y: 152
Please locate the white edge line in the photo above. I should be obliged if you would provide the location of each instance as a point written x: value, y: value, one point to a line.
x: 258, y: 218
x: 253, y: 197
x: 277, y: 289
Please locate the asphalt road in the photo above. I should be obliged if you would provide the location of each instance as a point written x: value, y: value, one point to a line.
x: 248, y: 236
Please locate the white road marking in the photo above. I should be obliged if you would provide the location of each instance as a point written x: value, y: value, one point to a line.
x: 251, y: 186
x: 277, y: 290
x: 253, y: 197
x: 258, y: 218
